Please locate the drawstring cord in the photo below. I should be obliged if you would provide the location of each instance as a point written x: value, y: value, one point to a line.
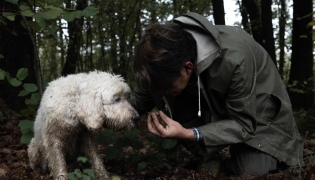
x: 199, y: 112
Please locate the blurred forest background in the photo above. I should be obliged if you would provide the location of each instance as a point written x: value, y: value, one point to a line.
x: 41, y: 40
x: 53, y: 38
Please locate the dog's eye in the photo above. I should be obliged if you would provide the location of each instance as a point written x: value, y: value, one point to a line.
x: 117, y: 99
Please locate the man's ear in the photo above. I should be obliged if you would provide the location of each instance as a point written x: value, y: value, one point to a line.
x: 189, y: 67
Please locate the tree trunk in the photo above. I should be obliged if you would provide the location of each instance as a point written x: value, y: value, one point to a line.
x: 268, y: 41
x: 253, y: 11
x: 218, y: 12
x: 16, y: 51
x: 75, y: 41
x: 301, y: 74
x: 282, y: 25
x: 244, y: 15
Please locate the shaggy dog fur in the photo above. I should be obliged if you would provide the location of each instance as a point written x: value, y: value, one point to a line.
x: 72, y: 110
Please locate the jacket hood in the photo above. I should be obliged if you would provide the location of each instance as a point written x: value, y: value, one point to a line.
x: 208, y: 45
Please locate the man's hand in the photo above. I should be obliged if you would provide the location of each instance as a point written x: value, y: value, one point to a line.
x: 172, y: 129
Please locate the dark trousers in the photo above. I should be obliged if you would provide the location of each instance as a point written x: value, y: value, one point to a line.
x: 246, y: 159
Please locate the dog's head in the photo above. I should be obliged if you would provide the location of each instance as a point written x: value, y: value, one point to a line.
x: 103, y: 101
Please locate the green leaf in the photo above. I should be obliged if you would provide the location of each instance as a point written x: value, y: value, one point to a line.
x: 39, y: 18
x: 115, y: 177
x: 22, y: 74
x: 168, y: 143
x: 34, y: 25
x: 9, y: 15
x: 36, y: 97
x: 2, y: 74
x: 26, y: 124
x: 89, y: 172
x: 68, y: 16
x: 122, y: 142
x: 112, y: 152
x: 27, y: 112
x: 136, y: 158
x: 24, y: 7
x: 76, y: 174
x: 2, y: 21
x: 153, y: 138
x: 14, y: 82
x: 90, y: 11
x: 27, y: 13
x: 85, y: 177
x: 52, y: 31
x: 82, y: 159
x: 141, y: 166
x: 26, y: 137
x: 23, y: 93
x: 107, y: 136
x: 136, y: 144
x: 52, y: 13
x: 78, y: 14
x: 30, y: 87
x: 13, y: 1
x: 30, y: 102
x: 71, y: 176
x: 133, y: 134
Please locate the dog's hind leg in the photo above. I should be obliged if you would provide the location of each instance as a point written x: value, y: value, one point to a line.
x: 90, y: 149
x: 34, y: 154
x: 55, y: 157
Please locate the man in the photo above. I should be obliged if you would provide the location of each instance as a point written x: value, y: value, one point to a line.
x: 215, y: 86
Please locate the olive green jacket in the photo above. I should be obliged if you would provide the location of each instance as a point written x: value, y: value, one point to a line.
x: 242, y: 88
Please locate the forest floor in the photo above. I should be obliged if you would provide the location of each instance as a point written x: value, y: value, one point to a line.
x: 14, y: 161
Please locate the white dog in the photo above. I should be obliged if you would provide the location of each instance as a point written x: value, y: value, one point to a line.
x: 72, y: 110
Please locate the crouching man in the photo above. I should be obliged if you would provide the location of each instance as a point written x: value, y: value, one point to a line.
x: 222, y: 83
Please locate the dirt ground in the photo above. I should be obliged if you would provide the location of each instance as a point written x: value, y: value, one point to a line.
x: 14, y: 161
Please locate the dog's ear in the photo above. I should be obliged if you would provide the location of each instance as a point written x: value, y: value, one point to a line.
x: 89, y: 108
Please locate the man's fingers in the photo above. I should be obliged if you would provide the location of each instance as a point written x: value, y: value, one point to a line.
x: 151, y: 126
x: 149, y: 123
x: 164, y: 117
x: 157, y: 124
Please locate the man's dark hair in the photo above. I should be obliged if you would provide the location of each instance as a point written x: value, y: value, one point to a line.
x: 160, y: 56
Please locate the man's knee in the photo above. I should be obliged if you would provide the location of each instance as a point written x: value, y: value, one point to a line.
x: 246, y: 159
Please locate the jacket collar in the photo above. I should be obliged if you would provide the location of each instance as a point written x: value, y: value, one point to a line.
x: 208, y: 47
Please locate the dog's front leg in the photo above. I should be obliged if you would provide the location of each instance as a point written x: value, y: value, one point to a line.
x: 90, y: 149
x: 55, y: 157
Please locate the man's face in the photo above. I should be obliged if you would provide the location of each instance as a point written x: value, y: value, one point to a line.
x: 180, y: 83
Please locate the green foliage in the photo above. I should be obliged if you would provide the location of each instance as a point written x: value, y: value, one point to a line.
x: 168, y: 143
x: 127, y: 146
x: 2, y: 74
x: 82, y: 159
x: 32, y: 99
x: 141, y: 166
x: 27, y: 130
x: 86, y: 174
x: 46, y: 13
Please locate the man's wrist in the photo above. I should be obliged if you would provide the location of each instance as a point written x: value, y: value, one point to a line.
x: 197, y: 135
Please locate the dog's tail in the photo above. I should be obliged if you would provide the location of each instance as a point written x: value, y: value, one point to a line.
x: 34, y: 154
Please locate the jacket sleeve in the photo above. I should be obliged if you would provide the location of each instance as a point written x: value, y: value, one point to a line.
x: 141, y: 101
x: 236, y: 81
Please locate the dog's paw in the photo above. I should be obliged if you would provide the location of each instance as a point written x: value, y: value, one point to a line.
x: 102, y: 175
x: 62, y: 177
